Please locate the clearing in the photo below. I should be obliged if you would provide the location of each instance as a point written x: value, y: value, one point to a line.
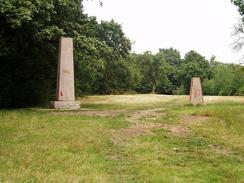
x: 125, y: 138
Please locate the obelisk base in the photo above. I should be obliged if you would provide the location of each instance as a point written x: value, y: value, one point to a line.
x: 65, y: 105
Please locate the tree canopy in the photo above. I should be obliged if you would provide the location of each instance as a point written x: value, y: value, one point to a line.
x: 29, y: 34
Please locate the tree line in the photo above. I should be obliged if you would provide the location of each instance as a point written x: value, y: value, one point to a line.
x: 167, y: 73
x: 104, y: 64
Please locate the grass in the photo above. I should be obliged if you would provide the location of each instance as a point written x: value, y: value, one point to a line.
x: 38, y: 145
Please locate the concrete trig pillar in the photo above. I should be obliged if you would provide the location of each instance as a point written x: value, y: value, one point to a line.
x: 196, y: 97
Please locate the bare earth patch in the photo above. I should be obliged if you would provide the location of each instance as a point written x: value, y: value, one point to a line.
x: 194, y: 118
x: 137, y: 116
x: 140, y: 122
x: 99, y: 113
x: 176, y: 130
x: 225, y: 151
x: 219, y: 150
x: 122, y: 135
x: 139, y: 127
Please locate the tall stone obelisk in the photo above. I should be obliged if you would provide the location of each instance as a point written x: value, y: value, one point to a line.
x: 196, y: 97
x: 65, y: 93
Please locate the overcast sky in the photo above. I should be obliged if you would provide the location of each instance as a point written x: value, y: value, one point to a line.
x: 201, y: 25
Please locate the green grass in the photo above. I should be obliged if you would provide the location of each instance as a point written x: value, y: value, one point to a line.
x: 161, y: 158
x: 46, y: 146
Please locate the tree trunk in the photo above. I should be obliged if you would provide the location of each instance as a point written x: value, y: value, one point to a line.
x: 153, y: 89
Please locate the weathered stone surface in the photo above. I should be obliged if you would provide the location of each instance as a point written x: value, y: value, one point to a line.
x: 65, y: 77
x: 196, y: 97
x: 65, y: 104
x: 65, y: 93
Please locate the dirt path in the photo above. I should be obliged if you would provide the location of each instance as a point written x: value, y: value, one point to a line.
x: 90, y: 112
x: 141, y: 122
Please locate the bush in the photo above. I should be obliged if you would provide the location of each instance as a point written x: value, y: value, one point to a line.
x: 241, y: 91
x: 180, y: 91
x: 209, y: 87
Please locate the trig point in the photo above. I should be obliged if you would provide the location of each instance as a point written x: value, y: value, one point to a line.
x: 65, y: 93
x: 196, y: 97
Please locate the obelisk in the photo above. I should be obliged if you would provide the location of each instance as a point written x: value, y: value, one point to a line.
x: 65, y: 92
x: 196, y: 97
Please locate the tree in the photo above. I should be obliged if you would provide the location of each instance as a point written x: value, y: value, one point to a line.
x: 111, y: 33
x: 240, y: 5
x: 239, y: 28
x: 174, y: 62
x: 143, y: 62
x: 29, y: 34
x: 153, y: 72
x: 172, y: 56
x: 238, y: 34
x: 194, y: 65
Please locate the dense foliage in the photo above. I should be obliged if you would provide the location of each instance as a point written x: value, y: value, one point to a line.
x: 29, y: 36
x: 167, y: 73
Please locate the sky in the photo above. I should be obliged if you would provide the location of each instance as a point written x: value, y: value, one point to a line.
x: 201, y: 25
